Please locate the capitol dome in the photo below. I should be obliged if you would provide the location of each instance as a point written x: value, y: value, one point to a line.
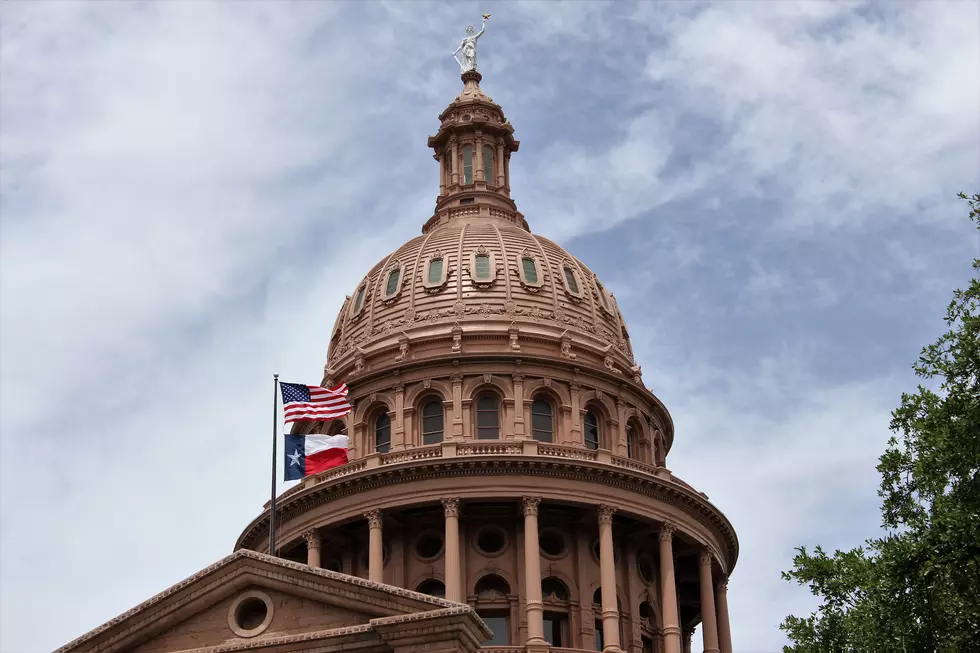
x: 504, y: 451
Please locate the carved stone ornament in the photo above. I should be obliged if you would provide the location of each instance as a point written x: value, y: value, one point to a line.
x: 531, y: 505
x: 329, y: 376
x: 451, y: 507
x: 402, y: 348
x: 606, y: 514
x: 427, y: 383
x: 312, y: 538
x: 359, y: 364
x: 610, y: 364
x: 514, y: 332
x: 547, y: 382
x: 374, y: 518
x: 457, y: 336
x: 487, y: 378
x: 667, y: 530
x: 566, y: 346
x: 374, y: 397
x: 637, y: 373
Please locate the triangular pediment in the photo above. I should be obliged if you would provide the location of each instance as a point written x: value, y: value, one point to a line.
x: 251, y: 601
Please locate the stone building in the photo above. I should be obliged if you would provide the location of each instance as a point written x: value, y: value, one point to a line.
x: 507, y: 481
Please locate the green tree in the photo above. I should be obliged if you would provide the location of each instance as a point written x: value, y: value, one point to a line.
x: 918, y: 587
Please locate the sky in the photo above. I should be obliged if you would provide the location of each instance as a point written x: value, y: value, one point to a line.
x: 190, y: 189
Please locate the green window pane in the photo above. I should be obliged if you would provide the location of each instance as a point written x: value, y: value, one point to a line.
x: 392, y: 286
x: 359, y: 299
x: 570, y: 280
x: 482, y: 266
x: 468, y: 164
x: 435, y: 270
x: 530, y: 270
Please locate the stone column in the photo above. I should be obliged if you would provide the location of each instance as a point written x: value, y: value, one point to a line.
x: 574, y: 437
x: 454, y: 580
x: 709, y: 627
x: 457, y: 380
x: 375, y: 552
x: 607, y: 572
x: 668, y: 590
x: 442, y: 173
x: 398, y: 424
x: 312, y: 547
x: 519, y: 430
x: 478, y: 159
x: 500, y: 165
x: 688, y: 636
x: 724, y: 627
x: 532, y: 574
x: 454, y: 166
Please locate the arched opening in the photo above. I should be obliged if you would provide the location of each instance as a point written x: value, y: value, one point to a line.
x: 632, y: 440
x: 336, y: 427
x: 555, y: 596
x: 487, y: 417
x: 488, y: 167
x: 467, y: 164
x: 493, y: 606
x: 648, y: 626
x: 542, y: 420
x: 432, y: 587
x: 590, y: 430
x: 432, y: 422
x: 382, y: 433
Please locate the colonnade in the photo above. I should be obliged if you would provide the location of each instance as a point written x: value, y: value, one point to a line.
x: 715, y: 626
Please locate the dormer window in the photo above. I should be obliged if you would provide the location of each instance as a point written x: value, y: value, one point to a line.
x: 467, y: 164
x: 482, y: 266
x: 529, y: 271
x: 603, y: 296
x: 434, y: 272
x: 393, y: 282
x: 571, y: 278
x: 483, y: 271
x: 358, y: 300
x: 488, y: 167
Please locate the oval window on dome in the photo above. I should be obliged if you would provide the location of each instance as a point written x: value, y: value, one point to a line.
x: 435, y: 270
x: 530, y: 269
x: 391, y: 287
x: 571, y: 281
x: 359, y: 299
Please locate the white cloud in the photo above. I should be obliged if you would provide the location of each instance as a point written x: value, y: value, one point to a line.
x: 189, y: 190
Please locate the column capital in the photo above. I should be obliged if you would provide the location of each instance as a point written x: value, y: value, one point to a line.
x: 374, y: 518
x: 530, y: 505
x: 707, y: 554
x: 517, y: 377
x: 606, y: 514
x: 451, y: 507
x: 667, y: 530
x: 312, y: 538
x: 399, y: 387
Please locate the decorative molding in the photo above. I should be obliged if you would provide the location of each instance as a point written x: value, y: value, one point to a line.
x: 530, y: 505
x: 457, y: 338
x: 451, y: 507
x: 514, y: 332
x: 667, y: 530
x: 374, y: 518
x: 312, y: 538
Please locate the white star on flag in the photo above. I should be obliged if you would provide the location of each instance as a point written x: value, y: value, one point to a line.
x: 294, y: 457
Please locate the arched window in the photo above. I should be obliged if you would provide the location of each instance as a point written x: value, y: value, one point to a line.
x: 493, y: 606
x: 391, y: 287
x: 591, y: 430
x: 432, y: 422
x: 555, y: 597
x: 432, y: 587
x: 488, y: 168
x: 382, y: 433
x: 487, y: 418
x: 467, y: 164
x: 542, y: 421
x: 632, y: 442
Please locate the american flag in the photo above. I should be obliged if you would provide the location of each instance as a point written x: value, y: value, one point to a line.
x: 311, y: 403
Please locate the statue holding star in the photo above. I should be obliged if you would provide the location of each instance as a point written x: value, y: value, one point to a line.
x: 467, y: 47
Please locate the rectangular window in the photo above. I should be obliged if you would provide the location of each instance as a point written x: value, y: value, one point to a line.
x: 432, y: 423
x: 599, y: 643
x: 570, y: 280
x: 435, y: 270
x: 500, y: 625
x: 647, y: 645
x: 555, y: 628
x: 530, y: 270
x: 467, y: 164
x: 487, y: 419
x: 488, y: 169
x: 482, y: 266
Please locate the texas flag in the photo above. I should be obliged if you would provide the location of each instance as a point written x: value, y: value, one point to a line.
x: 311, y: 454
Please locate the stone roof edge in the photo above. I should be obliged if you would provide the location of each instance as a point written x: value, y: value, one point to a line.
x: 226, y: 562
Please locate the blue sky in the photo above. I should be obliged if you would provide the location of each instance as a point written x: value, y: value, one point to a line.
x: 189, y: 191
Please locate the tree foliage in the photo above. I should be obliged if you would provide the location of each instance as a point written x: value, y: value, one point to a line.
x: 917, y: 588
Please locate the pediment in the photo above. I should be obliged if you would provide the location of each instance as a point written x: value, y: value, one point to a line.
x: 251, y: 601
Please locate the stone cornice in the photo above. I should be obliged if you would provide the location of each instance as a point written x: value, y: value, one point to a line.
x: 249, y: 567
x: 419, y: 469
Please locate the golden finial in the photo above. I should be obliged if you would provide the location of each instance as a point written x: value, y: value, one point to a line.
x: 486, y: 16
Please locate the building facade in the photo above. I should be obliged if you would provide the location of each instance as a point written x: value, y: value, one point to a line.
x: 506, y: 460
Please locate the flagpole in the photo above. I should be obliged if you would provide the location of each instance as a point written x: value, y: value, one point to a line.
x: 272, y: 502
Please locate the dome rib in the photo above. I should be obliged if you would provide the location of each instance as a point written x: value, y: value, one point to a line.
x: 503, y: 260
x: 547, y: 264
